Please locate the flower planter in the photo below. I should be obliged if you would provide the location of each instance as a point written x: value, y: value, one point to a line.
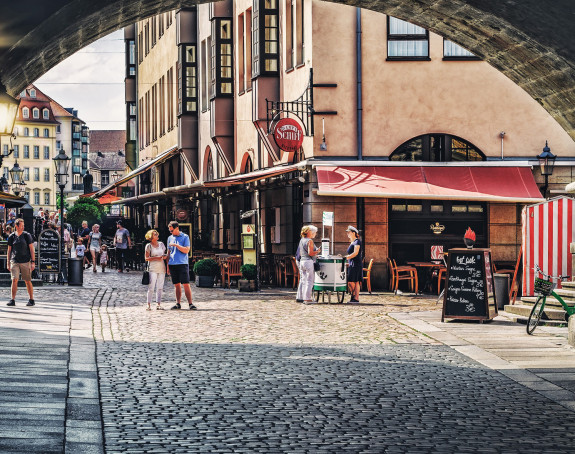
x: 246, y: 286
x: 205, y: 281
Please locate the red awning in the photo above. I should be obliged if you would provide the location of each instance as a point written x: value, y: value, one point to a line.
x: 467, y: 182
x: 250, y: 177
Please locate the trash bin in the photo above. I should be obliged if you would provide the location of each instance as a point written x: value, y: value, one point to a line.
x: 76, y: 271
x: 501, y: 282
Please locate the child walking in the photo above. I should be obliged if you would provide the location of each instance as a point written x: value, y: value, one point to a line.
x: 103, y: 257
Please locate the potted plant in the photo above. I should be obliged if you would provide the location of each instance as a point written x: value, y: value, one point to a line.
x: 249, y: 274
x: 469, y: 238
x: 205, y: 270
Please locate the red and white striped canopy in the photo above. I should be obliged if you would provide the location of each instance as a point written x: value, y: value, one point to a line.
x: 548, y: 230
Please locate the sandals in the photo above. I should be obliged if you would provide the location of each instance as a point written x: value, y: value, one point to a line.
x: 159, y: 308
x: 149, y: 308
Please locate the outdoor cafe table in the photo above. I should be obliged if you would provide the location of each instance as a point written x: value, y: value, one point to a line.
x: 426, y: 268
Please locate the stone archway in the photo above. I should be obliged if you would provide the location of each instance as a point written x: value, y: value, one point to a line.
x: 528, y: 41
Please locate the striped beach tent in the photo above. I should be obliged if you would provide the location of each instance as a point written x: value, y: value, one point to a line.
x: 548, y: 231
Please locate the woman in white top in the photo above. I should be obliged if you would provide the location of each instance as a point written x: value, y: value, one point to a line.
x: 155, y: 253
x: 94, y: 244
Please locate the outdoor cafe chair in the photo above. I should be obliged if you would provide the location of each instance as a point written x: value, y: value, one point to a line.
x: 367, y: 275
x: 402, y: 273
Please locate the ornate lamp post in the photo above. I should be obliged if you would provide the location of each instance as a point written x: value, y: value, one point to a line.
x: 17, y: 178
x: 62, y: 162
x: 547, y: 163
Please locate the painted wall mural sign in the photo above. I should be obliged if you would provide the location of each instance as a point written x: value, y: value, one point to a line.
x: 288, y: 135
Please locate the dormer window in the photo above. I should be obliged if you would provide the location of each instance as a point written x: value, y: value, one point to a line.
x: 35, y: 112
x: 32, y: 93
x: 23, y: 94
x: 46, y: 114
x: 25, y: 112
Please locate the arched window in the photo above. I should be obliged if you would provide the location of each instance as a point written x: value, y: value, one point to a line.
x: 36, y: 132
x: 35, y: 112
x: 209, y: 166
x: 248, y: 167
x: 32, y: 93
x: 46, y: 114
x: 26, y: 132
x: 437, y: 148
x: 46, y: 132
x: 25, y: 112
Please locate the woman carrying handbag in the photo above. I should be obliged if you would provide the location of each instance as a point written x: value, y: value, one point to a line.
x: 155, y: 254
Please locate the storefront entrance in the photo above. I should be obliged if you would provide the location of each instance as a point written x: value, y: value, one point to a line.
x: 417, y: 225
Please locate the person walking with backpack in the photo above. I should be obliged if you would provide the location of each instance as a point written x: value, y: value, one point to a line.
x: 21, y: 260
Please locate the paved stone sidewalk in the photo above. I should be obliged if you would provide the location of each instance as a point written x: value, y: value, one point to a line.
x: 49, y: 400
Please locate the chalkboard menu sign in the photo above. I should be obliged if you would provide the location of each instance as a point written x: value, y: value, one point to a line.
x: 469, y: 292
x: 49, y: 251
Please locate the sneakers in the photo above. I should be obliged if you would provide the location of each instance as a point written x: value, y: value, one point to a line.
x: 11, y: 303
x: 30, y: 303
x: 298, y: 301
x: 192, y: 307
x: 176, y: 307
x: 353, y: 301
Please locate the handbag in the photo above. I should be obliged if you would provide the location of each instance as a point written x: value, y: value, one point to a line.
x: 146, y: 278
x: 316, y: 266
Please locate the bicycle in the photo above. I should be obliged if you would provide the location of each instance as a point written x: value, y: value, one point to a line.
x: 545, y: 288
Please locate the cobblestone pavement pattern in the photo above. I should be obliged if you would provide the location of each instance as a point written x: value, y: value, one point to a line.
x: 248, y: 373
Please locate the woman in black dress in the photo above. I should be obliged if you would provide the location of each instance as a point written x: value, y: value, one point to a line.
x: 355, y: 270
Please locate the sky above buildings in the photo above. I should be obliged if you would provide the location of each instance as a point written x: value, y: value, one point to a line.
x: 92, y: 82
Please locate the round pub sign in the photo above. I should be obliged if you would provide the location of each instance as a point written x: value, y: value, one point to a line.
x: 181, y: 214
x: 288, y: 134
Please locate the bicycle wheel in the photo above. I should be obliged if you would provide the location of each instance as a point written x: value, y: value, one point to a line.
x: 535, y: 314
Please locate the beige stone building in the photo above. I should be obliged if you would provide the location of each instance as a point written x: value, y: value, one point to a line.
x: 403, y: 131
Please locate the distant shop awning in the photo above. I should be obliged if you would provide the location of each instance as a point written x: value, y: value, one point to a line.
x: 107, y: 199
x: 11, y: 200
x: 457, y: 182
x: 140, y: 199
x: 251, y: 176
x: 160, y: 159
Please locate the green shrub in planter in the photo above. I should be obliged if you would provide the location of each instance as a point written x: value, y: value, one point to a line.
x: 206, y: 267
x: 249, y: 272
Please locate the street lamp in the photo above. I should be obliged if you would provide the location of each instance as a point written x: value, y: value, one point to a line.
x: 62, y: 162
x: 547, y: 163
x: 16, y: 176
x: 8, y: 110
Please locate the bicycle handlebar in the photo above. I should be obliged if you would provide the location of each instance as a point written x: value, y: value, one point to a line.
x: 540, y: 271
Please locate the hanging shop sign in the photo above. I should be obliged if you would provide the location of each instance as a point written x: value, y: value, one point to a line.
x: 288, y: 135
x: 437, y: 228
x: 182, y: 214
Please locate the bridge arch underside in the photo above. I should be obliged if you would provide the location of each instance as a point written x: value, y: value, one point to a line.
x: 532, y: 42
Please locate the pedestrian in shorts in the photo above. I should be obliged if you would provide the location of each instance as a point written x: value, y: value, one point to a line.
x: 178, y: 265
x: 21, y: 260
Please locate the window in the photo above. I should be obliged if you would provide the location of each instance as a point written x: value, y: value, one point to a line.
x: 209, y: 68
x: 46, y: 132
x: 32, y: 93
x: 26, y: 151
x: 45, y: 114
x: 131, y: 58
x: 46, y: 152
x: 16, y: 151
x: 46, y: 174
x: 36, y: 198
x: 35, y: 112
x: 46, y: 198
x: 222, y: 58
x: 23, y: 94
x: 26, y: 132
x: 58, y: 145
x: 188, y: 80
x: 406, y: 41
x: 204, y: 75
x: 248, y: 35
x: 36, y: 174
x: 5, y: 172
x: 36, y: 152
x: 299, y: 32
x: 25, y: 112
x: 36, y: 132
x: 265, y: 38
x: 105, y: 178
x: 5, y: 150
x: 290, y: 49
x: 27, y: 196
x: 241, y: 55
x: 452, y: 51
x: 437, y: 148
x: 58, y: 129
x: 77, y: 179
x: 26, y: 174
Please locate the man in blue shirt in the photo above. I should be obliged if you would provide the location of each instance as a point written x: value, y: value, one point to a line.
x: 178, y: 265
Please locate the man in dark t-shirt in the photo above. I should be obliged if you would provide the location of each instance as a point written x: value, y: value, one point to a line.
x: 21, y: 260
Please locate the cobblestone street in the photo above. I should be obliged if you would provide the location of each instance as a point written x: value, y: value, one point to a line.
x: 250, y: 373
